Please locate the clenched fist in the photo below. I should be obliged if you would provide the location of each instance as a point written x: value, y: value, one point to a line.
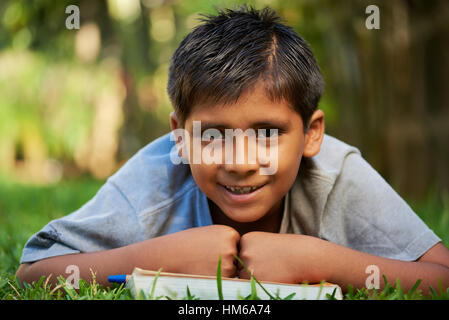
x: 276, y: 257
x: 197, y: 250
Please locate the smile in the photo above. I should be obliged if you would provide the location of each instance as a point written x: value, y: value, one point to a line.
x: 241, y: 195
x: 242, y: 190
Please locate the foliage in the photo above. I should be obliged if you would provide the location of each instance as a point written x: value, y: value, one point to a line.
x: 395, y: 292
x: 49, y: 105
x: 10, y: 288
x: 51, y: 79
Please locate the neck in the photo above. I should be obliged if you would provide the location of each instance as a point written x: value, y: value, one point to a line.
x: 271, y: 222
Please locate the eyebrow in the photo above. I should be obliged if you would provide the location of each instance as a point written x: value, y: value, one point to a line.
x: 268, y: 124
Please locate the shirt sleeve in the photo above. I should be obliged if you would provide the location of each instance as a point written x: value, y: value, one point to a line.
x: 107, y: 221
x: 363, y: 212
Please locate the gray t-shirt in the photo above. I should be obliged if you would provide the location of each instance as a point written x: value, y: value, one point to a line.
x: 337, y: 196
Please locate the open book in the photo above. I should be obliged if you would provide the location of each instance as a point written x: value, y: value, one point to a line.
x: 164, y: 285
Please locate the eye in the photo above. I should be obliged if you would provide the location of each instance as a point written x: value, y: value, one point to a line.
x: 211, y: 134
x: 267, y: 133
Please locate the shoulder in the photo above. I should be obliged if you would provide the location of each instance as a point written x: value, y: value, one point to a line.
x: 328, y: 164
x: 150, y: 180
x: 343, y: 177
x: 361, y: 210
x: 316, y: 180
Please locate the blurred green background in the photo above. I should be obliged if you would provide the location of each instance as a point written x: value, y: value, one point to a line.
x: 76, y: 104
x: 84, y: 101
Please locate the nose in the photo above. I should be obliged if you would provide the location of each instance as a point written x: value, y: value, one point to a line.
x: 243, y: 170
x: 243, y: 160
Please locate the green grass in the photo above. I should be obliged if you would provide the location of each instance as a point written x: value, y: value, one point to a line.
x: 25, y: 209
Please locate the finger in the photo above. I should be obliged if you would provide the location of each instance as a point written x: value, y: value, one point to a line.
x: 228, y: 270
x: 243, y: 274
x: 238, y: 265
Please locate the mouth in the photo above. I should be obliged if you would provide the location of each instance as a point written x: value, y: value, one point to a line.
x: 242, y: 194
x: 242, y: 189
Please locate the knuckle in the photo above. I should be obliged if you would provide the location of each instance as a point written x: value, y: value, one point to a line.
x: 234, y: 234
x: 243, y: 274
x: 231, y: 254
x: 246, y: 237
x: 224, y: 229
x: 251, y: 235
x: 228, y: 270
x: 245, y: 255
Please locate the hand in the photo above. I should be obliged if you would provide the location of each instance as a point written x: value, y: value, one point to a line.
x: 196, y: 250
x: 284, y: 258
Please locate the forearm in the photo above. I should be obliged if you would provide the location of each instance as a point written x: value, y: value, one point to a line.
x: 194, y: 251
x: 146, y: 254
x: 346, y: 266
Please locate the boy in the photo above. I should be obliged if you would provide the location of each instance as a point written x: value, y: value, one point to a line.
x: 321, y: 213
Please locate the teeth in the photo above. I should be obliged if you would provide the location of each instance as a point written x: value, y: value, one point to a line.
x: 241, y: 190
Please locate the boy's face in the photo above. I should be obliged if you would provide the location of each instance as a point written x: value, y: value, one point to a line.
x: 223, y: 182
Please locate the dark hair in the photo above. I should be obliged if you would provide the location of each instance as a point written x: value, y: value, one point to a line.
x: 227, y: 54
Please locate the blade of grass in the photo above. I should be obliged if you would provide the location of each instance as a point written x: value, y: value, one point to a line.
x: 188, y: 294
x: 141, y: 295
x: 253, y: 295
x: 257, y: 281
x: 153, y: 287
x: 219, y: 282
x: 321, y: 290
x: 434, y: 294
x: 440, y: 287
x: 14, y: 288
x: 409, y: 295
x: 332, y: 296
x: 290, y: 296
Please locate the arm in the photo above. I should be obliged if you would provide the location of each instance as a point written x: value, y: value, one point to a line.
x: 193, y: 251
x: 298, y: 258
x: 347, y: 266
x: 102, y: 263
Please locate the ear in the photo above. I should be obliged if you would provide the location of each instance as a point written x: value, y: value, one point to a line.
x: 174, y: 121
x: 180, y: 134
x: 314, y: 135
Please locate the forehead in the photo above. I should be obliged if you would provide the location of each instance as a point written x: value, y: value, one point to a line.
x: 254, y: 107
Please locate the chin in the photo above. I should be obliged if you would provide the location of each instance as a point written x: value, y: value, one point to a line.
x: 241, y: 215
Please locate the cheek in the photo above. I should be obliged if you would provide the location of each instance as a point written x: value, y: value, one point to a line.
x: 204, y: 175
x: 289, y: 160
